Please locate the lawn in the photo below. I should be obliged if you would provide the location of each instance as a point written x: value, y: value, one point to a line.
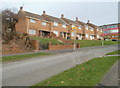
x: 45, y: 41
x: 87, y: 74
x: 83, y: 43
x: 87, y: 43
x: 114, y: 52
x: 20, y: 57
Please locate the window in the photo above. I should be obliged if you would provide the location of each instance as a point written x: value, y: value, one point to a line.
x: 73, y: 26
x: 86, y: 27
x: 113, y: 31
x: 79, y: 27
x: 63, y: 25
x: 32, y: 21
x: 91, y: 29
x: 55, y: 24
x: 87, y: 35
x: 44, y: 23
x: 32, y: 31
x: 98, y: 36
x: 56, y: 32
x: 73, y: 34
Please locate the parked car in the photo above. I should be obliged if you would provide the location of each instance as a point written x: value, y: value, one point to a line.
x: 114, y: 40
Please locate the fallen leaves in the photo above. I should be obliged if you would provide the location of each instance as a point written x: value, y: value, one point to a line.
x: 62, y: 82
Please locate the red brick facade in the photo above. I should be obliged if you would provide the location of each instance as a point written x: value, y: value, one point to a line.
x: 43, y: 25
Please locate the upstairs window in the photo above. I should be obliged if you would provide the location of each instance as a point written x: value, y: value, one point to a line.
x: 79, y: 27
x: 92, y: 29
x: 44, y: 23
x: 32, y: 21
x: 73, y: 26
x: 55, y: 24
x: 63, y: 25
x: 86, y: 27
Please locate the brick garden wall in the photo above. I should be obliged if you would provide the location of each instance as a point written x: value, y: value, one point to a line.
x: 58, y: 47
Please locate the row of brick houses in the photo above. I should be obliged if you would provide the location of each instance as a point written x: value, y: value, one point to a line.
x: 45, y: 25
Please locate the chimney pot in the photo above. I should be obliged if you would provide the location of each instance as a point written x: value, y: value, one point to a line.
x: 76, y: 18
x: 21, y: 8
x: 44, y: 12
x: 88, y: 21
x: 62, y: 15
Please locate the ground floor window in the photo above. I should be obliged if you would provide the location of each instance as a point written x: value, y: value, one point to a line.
x: 73, y: 34
x: 56, y: 32
x: 32, y: 31
x: 87, y: 35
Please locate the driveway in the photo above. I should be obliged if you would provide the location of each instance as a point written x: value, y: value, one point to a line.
x: 32, y: 71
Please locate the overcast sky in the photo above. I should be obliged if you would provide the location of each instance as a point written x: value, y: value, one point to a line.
x: 99, y: 13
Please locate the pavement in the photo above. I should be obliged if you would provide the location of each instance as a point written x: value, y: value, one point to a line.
x: 111, y: 78
x: 32, y: 71
x: 59, y: 51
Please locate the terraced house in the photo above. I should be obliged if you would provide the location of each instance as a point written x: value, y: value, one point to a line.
x: 95, y: 31
x: 75, y: 30
x: 33, y: 24
x: 57, y: 26
x: 48, y: 26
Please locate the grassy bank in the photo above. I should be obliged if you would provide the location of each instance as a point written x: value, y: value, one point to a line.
x: 87, y: 43
x: 114, y: 52
x: 21, y: 57
x: 83, y: 43
x: 45, y: 41
x: 86, y: 74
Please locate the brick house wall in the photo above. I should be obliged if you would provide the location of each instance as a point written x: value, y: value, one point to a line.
x: 22, y: 25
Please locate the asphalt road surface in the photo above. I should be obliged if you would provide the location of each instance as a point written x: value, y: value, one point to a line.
x: 32, y: 71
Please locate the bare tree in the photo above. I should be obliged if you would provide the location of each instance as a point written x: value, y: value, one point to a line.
x: 9, y: 19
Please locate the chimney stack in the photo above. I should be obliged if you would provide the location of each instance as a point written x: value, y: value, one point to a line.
x: 76, y: 18
x: 44, y: 12
x: 88, y: 21
x: 21, y: 8
x: 62, y: 15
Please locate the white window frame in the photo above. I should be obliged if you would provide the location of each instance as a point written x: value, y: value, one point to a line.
x: 92, y: 29
x: 32, y: 20
x: 87, y: 35
x: 79, y: 27
x: 86, y: 27
x: 73, y: 26
x: 55, y: 24
x: 98, y: 36
x: 56, y: 32
x: 44, y: 23
x: 32, y: 32
x: 73, y: 34
x: 64, y: 25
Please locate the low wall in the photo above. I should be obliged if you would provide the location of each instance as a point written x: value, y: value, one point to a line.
x: 35, y: 44
x: 58, y: 47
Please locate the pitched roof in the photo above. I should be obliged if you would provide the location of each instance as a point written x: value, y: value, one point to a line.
x: 71, y: 22
x: 54, y: 19
x: 92, y: 25
x: 82, y: 23
x: 25, y: 13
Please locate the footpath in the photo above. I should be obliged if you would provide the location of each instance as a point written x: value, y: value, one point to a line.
x: 111, y: 78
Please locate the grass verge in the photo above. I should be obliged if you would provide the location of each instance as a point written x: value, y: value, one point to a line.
x: 87, y: 43
x: 20, y: 57
x: 86, y: 74
x: 114, y: 52
x: 83, y: 43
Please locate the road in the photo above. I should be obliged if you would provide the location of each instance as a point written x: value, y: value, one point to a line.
x: 32, y: 71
